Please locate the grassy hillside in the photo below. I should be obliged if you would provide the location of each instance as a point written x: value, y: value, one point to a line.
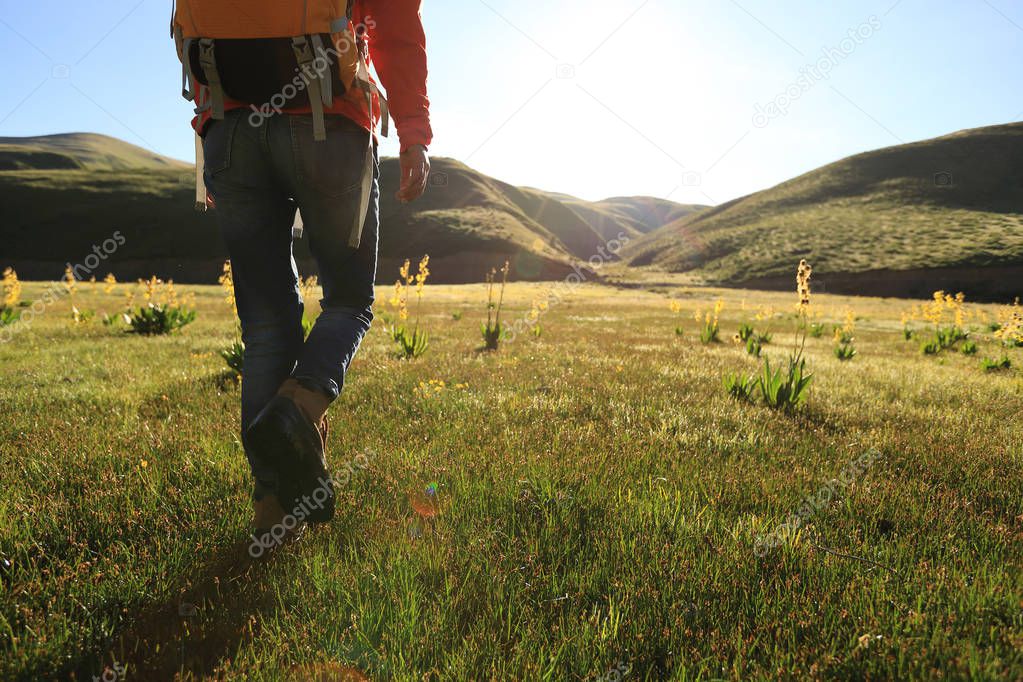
x: 79, y: 150
x: 925, y: 215
x: 64, y: 193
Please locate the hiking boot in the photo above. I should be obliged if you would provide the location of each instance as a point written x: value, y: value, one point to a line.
x: 289, y: 435
x: 273, y: 526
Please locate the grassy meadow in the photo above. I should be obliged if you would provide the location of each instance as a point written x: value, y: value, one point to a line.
x: 586, y: 504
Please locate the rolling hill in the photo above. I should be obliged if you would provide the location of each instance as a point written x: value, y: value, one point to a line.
x: 945, y: 213
x: 62, y: 194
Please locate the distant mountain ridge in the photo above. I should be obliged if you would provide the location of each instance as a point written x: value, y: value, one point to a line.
x: 62, y: 193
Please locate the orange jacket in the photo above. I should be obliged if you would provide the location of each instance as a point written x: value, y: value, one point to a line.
x: 397, y: 49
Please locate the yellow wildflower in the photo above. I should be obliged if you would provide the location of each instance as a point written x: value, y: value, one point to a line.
x: 109, y: 282
x: 226, y: 281
x: 11, y: 288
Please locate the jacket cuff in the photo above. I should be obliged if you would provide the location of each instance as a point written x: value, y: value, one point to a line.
x: 415, y: 132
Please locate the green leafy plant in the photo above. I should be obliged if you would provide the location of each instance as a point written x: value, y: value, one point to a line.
x: 411, y: 344
x: 817, y: 329
x: 491, y: 330
x: 456, y: 316
x: 740, y: 387
x: 993, y: 365
x: 158, y: 319
x: 745, y: 331
x: 9, y: 316
x: 82, y: 316
x: 710, y: 331
x: 754, y: 346
x: 907, y: 333
x: 234, y: 356
x: 950, y: 336
x: 307, y: 326
x: 969, y: 348
x: 845, y: 351
x: 785, y: 388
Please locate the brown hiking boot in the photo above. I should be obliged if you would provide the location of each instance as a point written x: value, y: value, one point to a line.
x: 273, y: 527
x: 289, y: 435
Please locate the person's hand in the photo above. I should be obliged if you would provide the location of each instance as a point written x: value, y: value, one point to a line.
x: 415, y: 171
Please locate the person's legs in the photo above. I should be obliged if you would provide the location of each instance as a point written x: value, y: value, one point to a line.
x: 325, y: 179
x: 255, y: 215
x: 327, y: 189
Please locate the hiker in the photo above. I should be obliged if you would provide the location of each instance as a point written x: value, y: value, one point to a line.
x: 286, y: 113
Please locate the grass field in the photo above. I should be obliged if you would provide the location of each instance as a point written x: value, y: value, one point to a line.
x: 599, y: 514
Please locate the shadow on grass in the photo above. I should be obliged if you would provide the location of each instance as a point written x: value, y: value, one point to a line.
x: 189, y: 633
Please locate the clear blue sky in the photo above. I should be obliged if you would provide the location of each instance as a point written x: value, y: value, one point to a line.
x: 589, y: 97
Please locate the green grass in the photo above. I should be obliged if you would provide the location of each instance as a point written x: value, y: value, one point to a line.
x: 600, y: 499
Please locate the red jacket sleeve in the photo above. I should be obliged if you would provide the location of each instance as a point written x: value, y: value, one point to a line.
x: 397, y: 46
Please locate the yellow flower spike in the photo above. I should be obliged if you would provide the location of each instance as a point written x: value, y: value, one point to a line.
x: 69, y: 280
x: 11, y: 288
x: 109, y: 282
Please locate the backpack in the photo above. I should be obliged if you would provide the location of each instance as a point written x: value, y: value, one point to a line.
x: 274, y: 54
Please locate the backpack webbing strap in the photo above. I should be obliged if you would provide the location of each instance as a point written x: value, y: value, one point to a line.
x: 200, y: 181
x: 208, y: 61
x: 326, y: 81
x: 355, y: 238
x: 304, y: 56
x: 187, y: 77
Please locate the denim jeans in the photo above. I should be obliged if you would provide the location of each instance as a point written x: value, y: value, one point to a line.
x: 258, y: 175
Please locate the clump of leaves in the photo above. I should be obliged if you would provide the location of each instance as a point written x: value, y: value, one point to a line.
x: 740, y: 387
x: 817, y: 329
x: 993, y: 365
x: 845, y: 351
x: 785, y: 388
x: 969, y: 348
x: 157, y: 319
x: 234, y: 356
x: 754, y: 346
x: 491, y: 330
x: 745, y: 331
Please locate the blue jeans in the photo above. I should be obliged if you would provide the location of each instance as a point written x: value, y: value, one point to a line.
x: 258, y: 175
